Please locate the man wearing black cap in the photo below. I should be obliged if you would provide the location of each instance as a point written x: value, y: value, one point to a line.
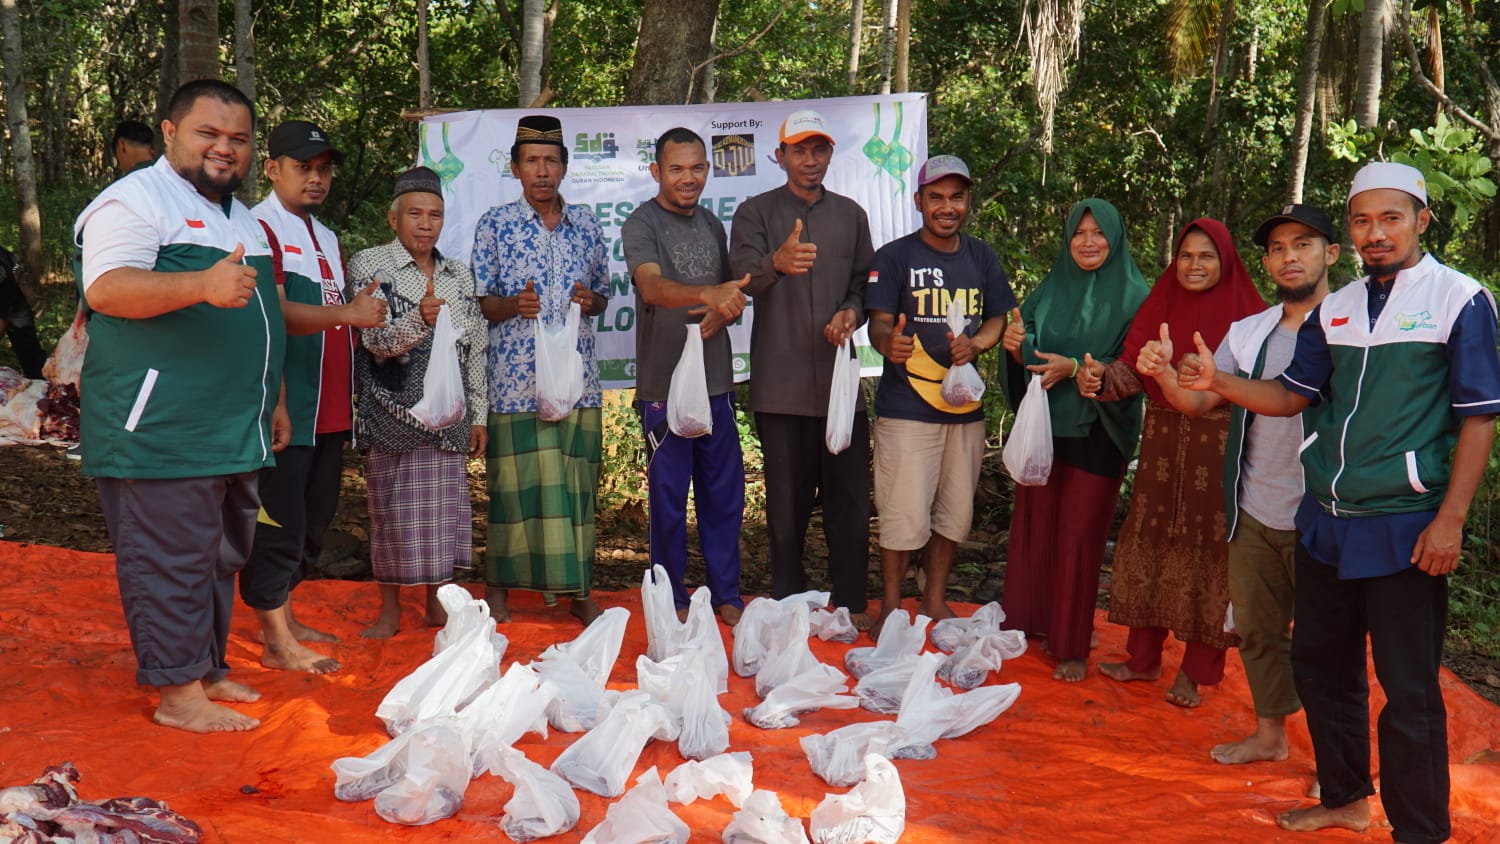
x: 415, y: 476
x: 532, y: 259
x: 300, y: 494
x: 1263, y: 478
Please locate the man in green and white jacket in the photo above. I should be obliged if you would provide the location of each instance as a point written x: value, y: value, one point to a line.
x: 183, y: 384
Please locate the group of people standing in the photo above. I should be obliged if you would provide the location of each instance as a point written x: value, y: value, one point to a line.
x: 232, y: 348
x: 1304, y: 473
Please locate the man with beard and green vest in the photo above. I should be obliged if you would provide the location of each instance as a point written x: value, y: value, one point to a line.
x: 1401, y: 370
x: 301, y: 494
x: 183, y: 385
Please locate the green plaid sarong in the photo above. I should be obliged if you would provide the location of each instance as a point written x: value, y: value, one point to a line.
x: 544, y: 482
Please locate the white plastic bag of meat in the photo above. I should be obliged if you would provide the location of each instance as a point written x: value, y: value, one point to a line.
x: 689, y: 414
x: 900, y: 636
x: 873, y: 811
x: 838, y: 756
x: 580, y: 668
x: 950, y: 634
x: 930, y: 712
x: 729, y: 774
x: 835, y: 626
x: 504, y: 712
x: 641, y: 817
x: 559, y: 366
x: 664, y: 633
x: 962, y: 385
x: 445, y: 682
x: 970, y: 665
x: 542, y: 805
x: 465, y: 612
x: 880, y: 691
x: 803, y: 693
x: 764, y: 821
x: 603, y: 758
x: 436, y: 777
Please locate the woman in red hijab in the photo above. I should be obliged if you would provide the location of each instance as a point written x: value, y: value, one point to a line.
x: 1170, y: 566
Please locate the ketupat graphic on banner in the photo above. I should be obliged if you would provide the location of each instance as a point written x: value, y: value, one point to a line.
x: 879, y: 143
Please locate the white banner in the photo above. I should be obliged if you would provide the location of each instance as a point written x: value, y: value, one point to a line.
x: 879, y: 143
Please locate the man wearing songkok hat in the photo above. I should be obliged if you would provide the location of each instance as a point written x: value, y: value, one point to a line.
x: 416, y: 477
x: 807, y: 251
x: 532, y: 259
x: 299, y: 496
x: 928, y: 449
x: 1402, y: 381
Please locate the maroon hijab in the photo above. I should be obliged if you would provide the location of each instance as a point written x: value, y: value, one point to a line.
x: 1208, y: 312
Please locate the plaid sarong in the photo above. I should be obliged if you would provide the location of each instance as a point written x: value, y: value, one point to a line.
x: 544, y: 481
x: 420, y: 524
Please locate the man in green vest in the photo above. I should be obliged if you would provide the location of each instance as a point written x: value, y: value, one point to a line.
x: 183, y: 386
x: 301, y: 494
x: 1402, y: 374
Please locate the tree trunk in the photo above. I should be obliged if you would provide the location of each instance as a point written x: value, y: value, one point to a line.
x: 903, y: 46
x: 166, y: 82
x: 1307, y: 92
x: 24, y: 166
x: 244, y: 77
x: 1374, y: 23
x: 676, y: 36
x: 1435, y: 51
x: 856, y: 33
x: 887, y: 44
x: 424, y: 67
x: 533, y: 41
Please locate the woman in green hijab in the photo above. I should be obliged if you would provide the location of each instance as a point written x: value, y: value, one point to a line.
x: 1073, y: 324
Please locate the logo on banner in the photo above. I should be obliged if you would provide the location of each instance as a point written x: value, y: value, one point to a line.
x: 596, y: 147
x: 734, y: 155
x: 645, y: 150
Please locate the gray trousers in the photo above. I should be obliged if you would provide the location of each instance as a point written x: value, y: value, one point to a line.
x: 178, y: 544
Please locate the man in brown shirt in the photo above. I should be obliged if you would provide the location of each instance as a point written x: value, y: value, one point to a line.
x: 807, y: 251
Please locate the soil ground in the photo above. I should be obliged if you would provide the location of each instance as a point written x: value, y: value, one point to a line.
x: 44, y: 499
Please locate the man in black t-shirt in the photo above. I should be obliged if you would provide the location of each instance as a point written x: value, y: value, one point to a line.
x: 928, y: 451
x: 678, y: 257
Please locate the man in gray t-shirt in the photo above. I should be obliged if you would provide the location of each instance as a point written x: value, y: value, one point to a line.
x: 678, y: 258
x: 1262, y: 472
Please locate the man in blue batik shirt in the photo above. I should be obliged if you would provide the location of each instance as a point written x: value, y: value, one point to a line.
x: 1401, y: 381
x: 531, y: 259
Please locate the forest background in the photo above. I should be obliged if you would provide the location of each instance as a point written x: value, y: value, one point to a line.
x: 1171, y: 109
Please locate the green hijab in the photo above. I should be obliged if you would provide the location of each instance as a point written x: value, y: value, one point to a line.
x: 1072, y: 312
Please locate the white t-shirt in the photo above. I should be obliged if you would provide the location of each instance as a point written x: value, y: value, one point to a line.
x: 1271, y: 480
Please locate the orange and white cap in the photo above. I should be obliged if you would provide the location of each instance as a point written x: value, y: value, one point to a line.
x: 804, y: 124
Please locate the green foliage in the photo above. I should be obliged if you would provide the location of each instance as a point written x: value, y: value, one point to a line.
x: 1453, y: 160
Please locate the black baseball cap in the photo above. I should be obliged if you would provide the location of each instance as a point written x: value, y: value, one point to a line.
x: 1308, y: 215
x: 302, y: 141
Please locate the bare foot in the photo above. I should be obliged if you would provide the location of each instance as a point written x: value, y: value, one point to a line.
x: 308, y: 634
x: 498, y: 599
x: 936, y: 611
x: 585, y: 610
x: 1071, y: 670
x: 874, y: 627
x: 861, y: 620
x: 295, y: 656
x: 1266, y: 744
x: 682, y: 614
x: 730, y: 614
x: 1121, y: 671
x: 1353, y: 816
x: 230, y: 691
x: 384, y: 628
x: 204, y: 716
x: 1184, y: 692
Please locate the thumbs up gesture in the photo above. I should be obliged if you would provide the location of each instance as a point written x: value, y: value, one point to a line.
x: 1015, y: 332
x: 1090, y: 376
x: 528, y: 304
x: 431, y: 305
x: 899, y: 346
x: 229, y: 283
x: 364, y: 310
x: 1196, y: 370
x: 794, y: 257
x: 1155, y: 358
x: 728, y: 299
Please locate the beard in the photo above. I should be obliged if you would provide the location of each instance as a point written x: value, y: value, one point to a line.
x: 1382, y: 271
x: 1297, y: 294
x: 208, y: 185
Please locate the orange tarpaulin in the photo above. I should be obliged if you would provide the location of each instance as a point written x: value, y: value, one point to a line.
x: 1094, y: 761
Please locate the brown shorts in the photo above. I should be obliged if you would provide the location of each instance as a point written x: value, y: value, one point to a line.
x: 925, y: 477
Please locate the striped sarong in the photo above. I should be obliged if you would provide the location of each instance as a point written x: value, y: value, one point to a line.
x: 420, y: 523
x: 544, y: 482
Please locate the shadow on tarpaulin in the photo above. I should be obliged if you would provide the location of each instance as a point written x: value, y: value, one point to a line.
x: 1096, y: 761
